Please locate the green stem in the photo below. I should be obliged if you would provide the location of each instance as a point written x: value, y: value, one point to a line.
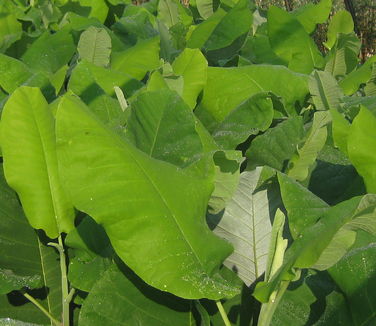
x: 267, y: 309
x: 66, y: 296
x: 223, y: 313
x: 42, y: 309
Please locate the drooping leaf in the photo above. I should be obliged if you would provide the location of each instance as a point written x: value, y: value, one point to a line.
x: 163, y: 126
x: 340, y: 23
x: 315, y: 141
x: 355, y: 276
x: 246, y: 223
x: 123, y: 299
x: 192, y: 65
x: 25, y: 262
x: 250, y: 117
x: 137, y: 60
x: 325, y: 91
x: 50, y: 51
x: 180, y: 254
x: 277, y: 145
x: 95, y: 46
x: 30, y: 163
x: 226, y: 88
x: 98, y: 9
x: 310, y: 14
x: 291, y: 42
x: 360, y: 144
x: 340, y: 130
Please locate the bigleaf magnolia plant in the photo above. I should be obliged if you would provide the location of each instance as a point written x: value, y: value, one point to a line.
x: 169, y: 164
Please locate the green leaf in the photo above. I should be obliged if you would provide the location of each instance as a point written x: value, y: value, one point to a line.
x: 303, y: 207
x: 355, y: 276
x: 137, y: 60
x: 340, y: 23
x: 180, y: 253
x: 95, y: 46
x: 352, y: 81
x: 310, y: 14
x: 50, y: 52
x: 246, y: 223
x: 123, y: 299
x: 10, y: 27
x: 205, y: 8
x: 334, y: 178
x: 236, y: 22
x: 98, y: 9
x: 291, y: 42
x: 325, y: 91
x: 170, y: 134
x: 340, y: 130
x: 315, y: 299
x: 172, y: 12
x: 315, y: 141
x: 24, y: 262
x: 192, y: 65
x: 14, y: 73
x: 85, y: 74
x: 306, y: 250
x: 343, y: 57
x: 370, y: 88
x: 28, y: 127
x: 276, y: 145
x: 360, y: 144
x: 226, y: 88
x: 249, y: 118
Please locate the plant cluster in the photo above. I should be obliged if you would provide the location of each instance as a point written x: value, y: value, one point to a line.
x: 169, y: 164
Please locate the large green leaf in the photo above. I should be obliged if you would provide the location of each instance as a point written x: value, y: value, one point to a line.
x: 355, y: 276
x: 95, y: 46
x: 276, y: 145
x: 291, y: 42
x: 250, y: 117
x: 163, y: 126
x: 192, y: 65
x: 307, y: 154
x: 125, y: 190
x: 312, y: 14
x: 340, y: 23
x: 137, y: 60
x: 30, y: 163
x: 25, y: 262
x: 98, y: 9
x: 226, y: 88
x: 246, y: 223
x: 205, y: 8
x: 370, y: 88
x: 325, y: 91
x: 361, y: 143
x: 50, y: 51
x: 121, y: 298
x: 172, y: 12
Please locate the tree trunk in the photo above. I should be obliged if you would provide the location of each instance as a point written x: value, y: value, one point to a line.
x: 288, y: 5
x: 350, y: 7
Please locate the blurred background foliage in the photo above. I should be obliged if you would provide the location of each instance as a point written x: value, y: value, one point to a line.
x: 363, y: 12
